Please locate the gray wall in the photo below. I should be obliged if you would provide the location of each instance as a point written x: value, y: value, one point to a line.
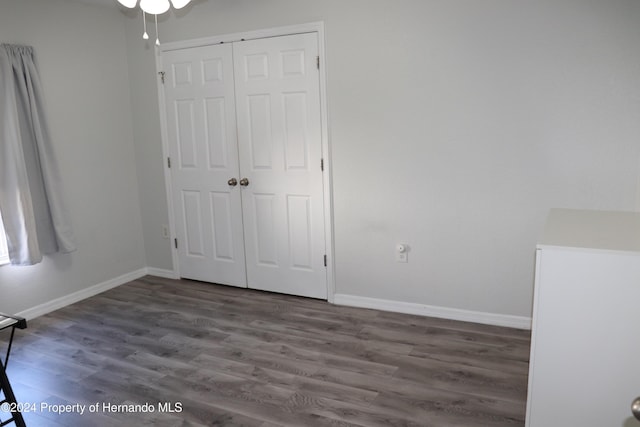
x: 455, y: 125
x: 81, y: 53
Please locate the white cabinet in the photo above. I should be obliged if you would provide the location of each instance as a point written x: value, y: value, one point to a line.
x: 585, y: 347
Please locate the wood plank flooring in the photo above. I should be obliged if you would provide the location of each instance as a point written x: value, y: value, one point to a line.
x: 222, y: 356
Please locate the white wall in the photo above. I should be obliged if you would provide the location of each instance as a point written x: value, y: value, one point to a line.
x: 81, y: 53
x: 455, y: 125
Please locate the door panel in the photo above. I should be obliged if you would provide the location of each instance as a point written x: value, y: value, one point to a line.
x: 185, y: 132
x: 216, y: 133
x: 259, y: 136
x: 280, y: 146
x: 265, y: 232
x: 193, y: 229
x: 223, y: 226
x: 296, y: 145
x: 201, y: 124
x: 299, y: 214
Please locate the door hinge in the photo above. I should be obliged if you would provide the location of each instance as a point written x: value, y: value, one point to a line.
x: 318, y: 62
x: 161, y: 76
x: 325, y: 260
x: 169, y: 162
x: 175, y: 243
x: 322, y: 164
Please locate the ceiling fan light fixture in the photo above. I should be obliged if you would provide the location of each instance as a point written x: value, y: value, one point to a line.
x: 155, y: 8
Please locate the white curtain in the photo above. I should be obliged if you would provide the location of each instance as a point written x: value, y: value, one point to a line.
x: 33, y: 212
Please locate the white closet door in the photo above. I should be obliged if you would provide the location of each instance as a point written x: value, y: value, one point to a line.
x: 201, y: 124
x: 279, y: 137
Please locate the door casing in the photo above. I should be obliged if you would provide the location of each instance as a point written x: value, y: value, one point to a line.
x: 317, y: 27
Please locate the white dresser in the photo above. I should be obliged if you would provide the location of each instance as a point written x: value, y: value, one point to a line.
x: 585, y: 346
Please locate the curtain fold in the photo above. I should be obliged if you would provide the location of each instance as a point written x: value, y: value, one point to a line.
x: 33, y: 210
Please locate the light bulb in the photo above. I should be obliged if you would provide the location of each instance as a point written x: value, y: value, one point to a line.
x: 155, y: 7
x: 128, y: 3
x: 179, y: 4
x: 145, y: 36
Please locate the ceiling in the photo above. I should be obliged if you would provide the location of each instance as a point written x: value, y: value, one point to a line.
x: 110, y: 3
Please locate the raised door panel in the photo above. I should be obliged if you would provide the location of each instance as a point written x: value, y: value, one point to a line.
x: 300, y: 232
x: 265, y: 229
x: 201, y: 125
x: 215, y: 113
x: 184, y: 117
x: 259, y: 133
x: 194, y: 232
x: 296, y: 143
x: 223, y: 227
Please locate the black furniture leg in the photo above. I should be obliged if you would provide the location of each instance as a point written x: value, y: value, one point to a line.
x: 10, y: 399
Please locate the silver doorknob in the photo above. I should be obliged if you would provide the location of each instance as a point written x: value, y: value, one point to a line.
x: 244, y: 182
x: 635, y: 408
x: 232, y: 182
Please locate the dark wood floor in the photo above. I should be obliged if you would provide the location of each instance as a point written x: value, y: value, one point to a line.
x: 231, y: 357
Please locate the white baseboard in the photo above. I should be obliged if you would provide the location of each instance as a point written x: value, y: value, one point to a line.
x: 49, y: 306
x: 160, y: 272
x: 518, y: 322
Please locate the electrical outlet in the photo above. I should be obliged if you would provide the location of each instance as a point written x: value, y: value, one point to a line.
x: 165, y: 231
x: 402, y: 252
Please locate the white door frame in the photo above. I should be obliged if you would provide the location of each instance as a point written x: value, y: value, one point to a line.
x: 317, y: 27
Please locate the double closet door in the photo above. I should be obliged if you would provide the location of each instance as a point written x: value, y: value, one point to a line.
x: 245, y: 147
